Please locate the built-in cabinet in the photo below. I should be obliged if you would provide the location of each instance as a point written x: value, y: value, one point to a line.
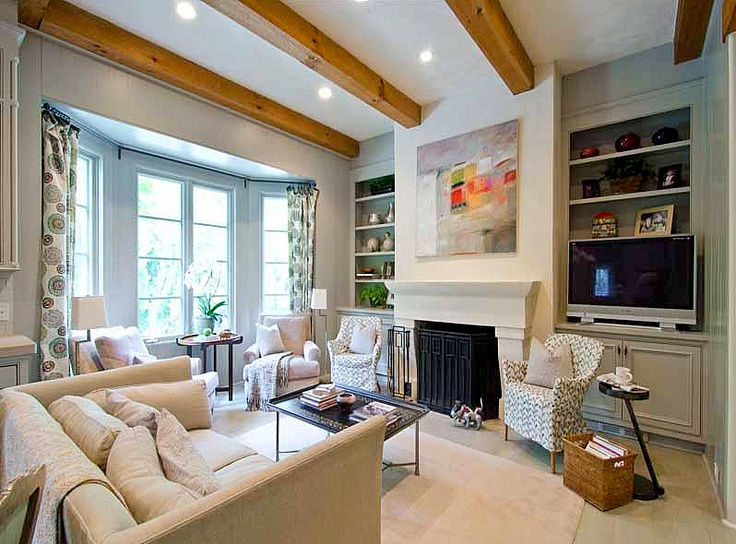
x: 10, y: 40
x: 670, y: 364
x: 16, y: 354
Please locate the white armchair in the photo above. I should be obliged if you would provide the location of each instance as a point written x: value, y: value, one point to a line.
x: 545, y: 415
x: 355, y: 369
x: 295, y: 331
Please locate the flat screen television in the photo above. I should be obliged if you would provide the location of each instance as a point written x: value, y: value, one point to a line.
x: 634, y: 279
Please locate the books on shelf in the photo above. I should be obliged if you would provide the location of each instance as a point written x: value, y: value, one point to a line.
x: 322, y: 397
x: 604, y: 448
x: 375, y: 408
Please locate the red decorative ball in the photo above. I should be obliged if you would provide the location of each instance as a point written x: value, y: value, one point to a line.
x: 627, y: 142
x: 588, y: 152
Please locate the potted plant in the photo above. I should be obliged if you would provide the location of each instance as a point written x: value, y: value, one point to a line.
x: 375, y: 295
x: 204, y: 279
x: 627, y: 174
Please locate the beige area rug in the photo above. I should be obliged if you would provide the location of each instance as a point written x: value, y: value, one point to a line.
x: 462, y: 495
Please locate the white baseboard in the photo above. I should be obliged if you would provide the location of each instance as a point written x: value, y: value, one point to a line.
x: 716, y: 494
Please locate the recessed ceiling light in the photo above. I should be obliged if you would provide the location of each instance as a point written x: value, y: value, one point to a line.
x: 186, y: 10
x: 361, y: 0
x: 325, y: 93
x: 426, y: 56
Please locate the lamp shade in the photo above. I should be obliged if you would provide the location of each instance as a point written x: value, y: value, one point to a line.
x: 319, y: 299
x: 88, y: 313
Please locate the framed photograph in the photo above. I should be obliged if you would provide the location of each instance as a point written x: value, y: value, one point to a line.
x: 669, y: 176
x: 655, y: 221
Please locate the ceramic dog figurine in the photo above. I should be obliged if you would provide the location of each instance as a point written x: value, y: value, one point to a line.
x: 462, y: 414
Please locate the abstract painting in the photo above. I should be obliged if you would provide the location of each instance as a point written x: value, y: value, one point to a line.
x: 466, y: 193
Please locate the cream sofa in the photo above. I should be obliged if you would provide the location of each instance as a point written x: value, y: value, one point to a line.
x: 326, y: 492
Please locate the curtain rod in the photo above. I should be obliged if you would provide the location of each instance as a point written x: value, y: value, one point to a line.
x: 60, y: 114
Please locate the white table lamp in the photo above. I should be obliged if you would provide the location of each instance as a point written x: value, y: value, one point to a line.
x: 87, y: 313
x: 319, y: 303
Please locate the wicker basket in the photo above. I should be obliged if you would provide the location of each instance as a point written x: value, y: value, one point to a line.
x: 604, y: 483
x: 623, y: 186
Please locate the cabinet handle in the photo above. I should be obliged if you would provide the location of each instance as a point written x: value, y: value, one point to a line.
x: 626, y: 351
x: 618, y: 350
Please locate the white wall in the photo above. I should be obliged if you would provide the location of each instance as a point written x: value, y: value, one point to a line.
x: 626, y: 77
x: 538, y: 175
x: 50, y: 70
x: 374, y: 150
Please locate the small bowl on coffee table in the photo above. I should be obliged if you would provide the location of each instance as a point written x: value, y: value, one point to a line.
x: 345, y: 401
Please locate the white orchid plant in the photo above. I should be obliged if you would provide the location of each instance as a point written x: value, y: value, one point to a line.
x: 203, y: 279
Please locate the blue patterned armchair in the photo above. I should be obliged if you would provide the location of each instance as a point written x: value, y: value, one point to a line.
x: 354, y: 369
x: 546, y: 415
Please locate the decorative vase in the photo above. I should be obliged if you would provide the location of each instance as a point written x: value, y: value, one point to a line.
x: 588, y: 152
x: 203, y: 322
x: 665, y: 135
x: 390, y: 214
x: 373, y: 244
x: 605, y: 225
x: 388, y: 242
x: 374, y: 219
x: 627, y: 142
x: 345, y: 401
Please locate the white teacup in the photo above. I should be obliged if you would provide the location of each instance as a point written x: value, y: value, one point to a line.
x: 623, y: 375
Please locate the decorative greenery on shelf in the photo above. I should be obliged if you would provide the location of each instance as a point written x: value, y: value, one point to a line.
x: 375, y: 295
x: 381, y: 185
x: 624, y: 167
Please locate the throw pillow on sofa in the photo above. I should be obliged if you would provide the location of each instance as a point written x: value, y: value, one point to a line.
x: 187, y: 400
x: 363, y: 338
x: 135, y: 470
x: 546, y: 366
x: 91, y: 429
x: 269, y: 340
x: 180, y: 459
x: 130, y: 412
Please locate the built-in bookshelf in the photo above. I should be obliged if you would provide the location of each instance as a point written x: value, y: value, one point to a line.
x: 374, y: 215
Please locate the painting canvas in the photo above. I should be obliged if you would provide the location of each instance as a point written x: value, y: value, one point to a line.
x: 466, y: 193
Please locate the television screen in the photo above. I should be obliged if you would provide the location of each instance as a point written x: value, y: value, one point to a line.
x: 634, y: 273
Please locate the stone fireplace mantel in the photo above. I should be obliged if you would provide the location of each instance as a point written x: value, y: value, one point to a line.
x: 507, y: 306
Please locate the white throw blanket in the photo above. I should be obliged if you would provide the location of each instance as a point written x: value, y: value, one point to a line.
x: 263, y: 377
x: 31, y: 437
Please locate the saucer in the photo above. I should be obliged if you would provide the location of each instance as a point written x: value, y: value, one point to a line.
x: 611, y: 379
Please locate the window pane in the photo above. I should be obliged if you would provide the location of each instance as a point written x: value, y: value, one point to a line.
x: 158, y: 278
x: 81, y: 230
x: 83, y: 180
x: 275, y: 279
x: 276, y: 304
x: 275, y: 247
x: 274, y: 213
x: 160, y: 317
x: 207, y: 277
x: 210, y: 243
x: 210, y: 206
x: 157, y: 238
x: 81, y: 276
x: 159, y: 197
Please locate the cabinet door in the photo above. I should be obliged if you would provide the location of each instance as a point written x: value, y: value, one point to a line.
x: 673, y: 375
x: 596, y: 403
x: 10, y: 374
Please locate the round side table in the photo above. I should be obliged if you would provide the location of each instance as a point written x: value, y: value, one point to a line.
x: 644, y: 489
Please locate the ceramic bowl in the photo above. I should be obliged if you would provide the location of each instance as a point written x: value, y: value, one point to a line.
x: 345, y: 401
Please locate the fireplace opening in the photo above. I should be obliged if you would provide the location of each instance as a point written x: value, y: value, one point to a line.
x: 457, y: 362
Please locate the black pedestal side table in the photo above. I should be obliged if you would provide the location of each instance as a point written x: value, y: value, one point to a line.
x: 644, y: 489
x: 203, y: 342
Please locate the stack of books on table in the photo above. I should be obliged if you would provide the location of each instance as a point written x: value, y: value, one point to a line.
x: 322, y: 397
x: 375, y: 408
x: 603, y: 448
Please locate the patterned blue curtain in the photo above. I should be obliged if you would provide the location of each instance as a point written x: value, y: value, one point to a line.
x: 302, y: 205
x: 60, y: 147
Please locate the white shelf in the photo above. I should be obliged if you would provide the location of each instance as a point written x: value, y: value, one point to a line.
x: 640, y: 151
x: 377, y: 280
x: 629, y: 196
x: 374, y: 253
x: 372, y: 227
x: 375, y: 197
x: 619, y: 238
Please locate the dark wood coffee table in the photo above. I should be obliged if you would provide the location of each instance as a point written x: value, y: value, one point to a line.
x: 333, y: 420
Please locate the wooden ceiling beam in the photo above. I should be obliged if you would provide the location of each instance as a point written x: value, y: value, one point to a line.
x: 690, y: 28
x: 30, y: 12
x: 73, y: 25
x: 728, y: 14
x: 491, y: 30
x: 284, y: 28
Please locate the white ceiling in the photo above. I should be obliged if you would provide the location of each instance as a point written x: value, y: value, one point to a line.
x: 388, y: 36
x: 140, y: 139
